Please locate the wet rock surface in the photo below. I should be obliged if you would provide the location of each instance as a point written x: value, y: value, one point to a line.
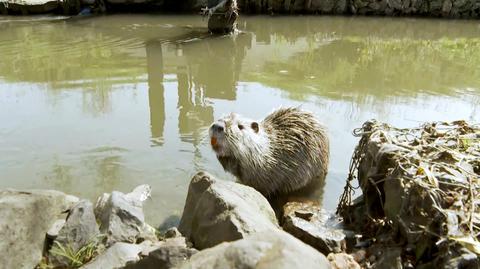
x: 314, y: 226
x: 217, y: 211
x: 269, y: 249
x: 26, y: 216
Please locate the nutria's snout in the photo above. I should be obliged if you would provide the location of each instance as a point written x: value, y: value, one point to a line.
x: 217, y: 127
x: 216, y: 132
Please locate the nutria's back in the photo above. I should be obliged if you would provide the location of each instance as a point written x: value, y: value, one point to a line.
x: 284, y: 152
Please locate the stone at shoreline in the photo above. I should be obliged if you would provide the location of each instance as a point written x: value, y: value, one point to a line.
x: 30, y: 6
x: 314, y: 226
x: 115, y: 256
x: 79, y: 230
x: 170, y: 253
x: 217, y: 211
x: 342, y: 261
x: 121, y: 216
x: 26, y: 216
x: 268, y: 249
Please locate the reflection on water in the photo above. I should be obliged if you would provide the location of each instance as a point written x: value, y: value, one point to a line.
x: 156, y: 90
x: 92, y: 105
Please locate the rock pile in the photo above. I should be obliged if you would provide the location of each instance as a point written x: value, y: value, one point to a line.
x: 231, y: 224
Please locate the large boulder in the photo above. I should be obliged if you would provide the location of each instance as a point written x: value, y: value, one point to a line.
x: 269, y: 249
x: 79, y: 230
x: 26, y: 216
x: 121, y: 216
x: 217, y: 211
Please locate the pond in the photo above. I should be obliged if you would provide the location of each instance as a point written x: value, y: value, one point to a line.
x: 93, y: 105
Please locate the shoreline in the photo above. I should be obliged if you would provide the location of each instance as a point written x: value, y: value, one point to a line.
x: 453, y: 9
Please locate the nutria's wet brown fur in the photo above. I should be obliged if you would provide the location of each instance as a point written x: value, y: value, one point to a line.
x: 285, y: 152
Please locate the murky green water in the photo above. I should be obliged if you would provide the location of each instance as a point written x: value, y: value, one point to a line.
x: 92, y: 105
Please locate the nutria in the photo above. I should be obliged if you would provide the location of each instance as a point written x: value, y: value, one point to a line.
x: 284, y: 152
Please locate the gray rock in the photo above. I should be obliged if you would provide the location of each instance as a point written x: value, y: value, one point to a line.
x: 31, y: 6
x: 116, y: 256
x: 79, y: 230
x: 26, y: 216
x: 121, y: 216
x: 342, y: 261
x: 80, y: 227
x: 170, y: 253
x: 314, y: 226
x: 52, y: 233
x: 172, y: 233
x: 217, y: 211
x: 269, y: 249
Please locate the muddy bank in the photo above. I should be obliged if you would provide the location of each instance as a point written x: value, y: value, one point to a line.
x: 428, y: 8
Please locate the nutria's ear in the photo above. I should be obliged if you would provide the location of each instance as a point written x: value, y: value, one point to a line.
x: 255, y: 126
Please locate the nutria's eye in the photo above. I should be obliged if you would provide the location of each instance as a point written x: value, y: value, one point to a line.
x: 240, y: 127
x: 255, y: 126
